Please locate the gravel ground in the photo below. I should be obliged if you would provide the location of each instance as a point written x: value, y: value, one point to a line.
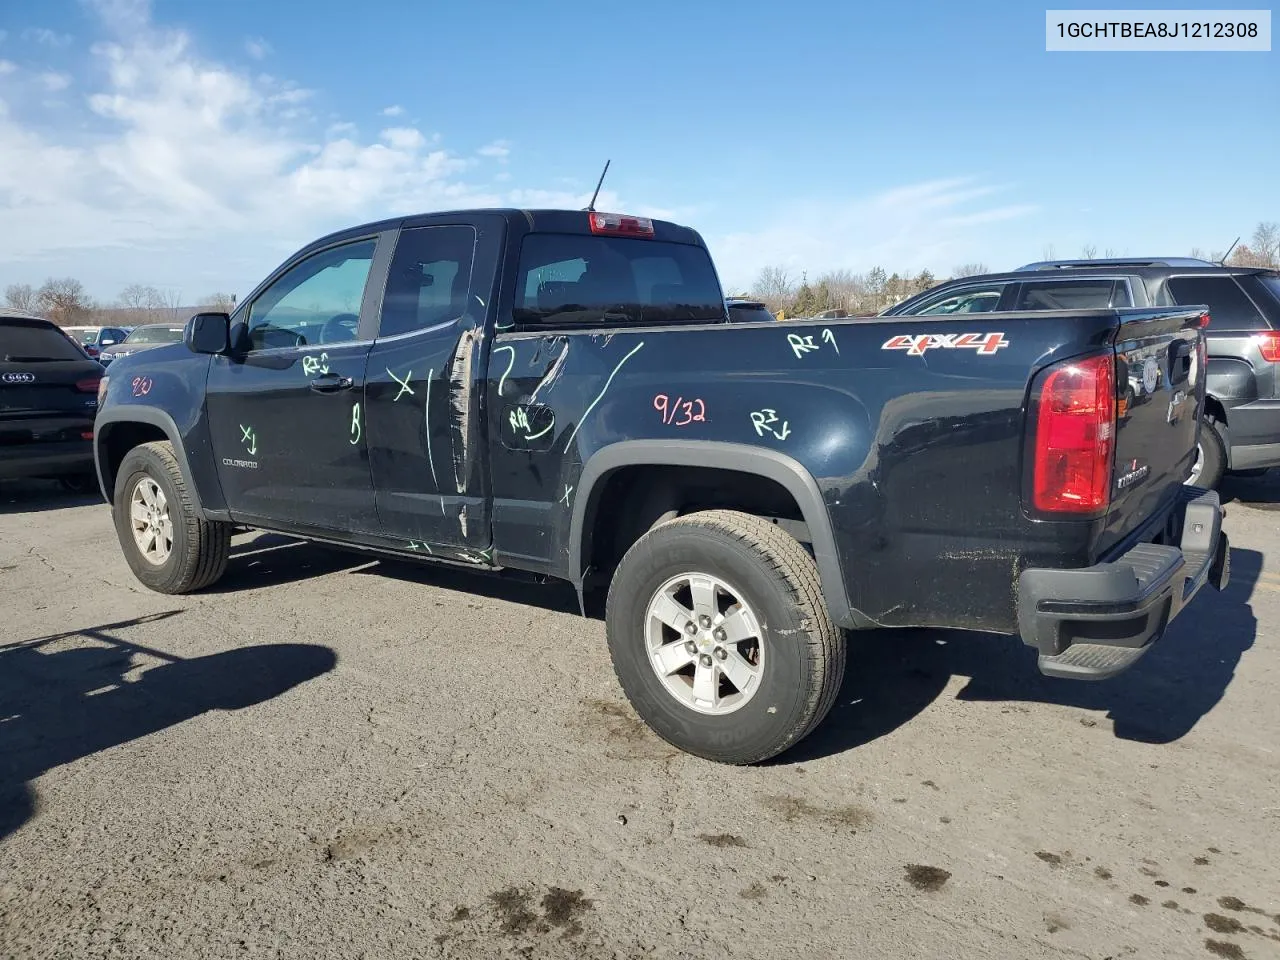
x: 324, y: 757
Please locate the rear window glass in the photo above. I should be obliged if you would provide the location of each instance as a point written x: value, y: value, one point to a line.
x: 1229, y: 307
x: 1272, y: 286
x: 749, y: 313
x: 573, y: 279
x: 22, y: 342
x: 1070, y: 295
x: 155, y: 335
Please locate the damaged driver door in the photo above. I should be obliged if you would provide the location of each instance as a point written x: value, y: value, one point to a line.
x: 424, y: 381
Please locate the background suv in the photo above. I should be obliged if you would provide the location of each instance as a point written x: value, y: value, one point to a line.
x: 1242, y: 406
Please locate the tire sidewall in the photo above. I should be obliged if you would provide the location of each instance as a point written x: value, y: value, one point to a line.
x: 777, y: 710
x: 1214, y: 453
x: 138, y: 464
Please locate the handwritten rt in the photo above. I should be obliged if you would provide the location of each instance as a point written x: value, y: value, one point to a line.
x: 312, y: 365
x: 764, y: 420
x: 803, y: 343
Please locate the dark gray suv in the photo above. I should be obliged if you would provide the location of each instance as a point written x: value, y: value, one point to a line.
x: 1242, y: 406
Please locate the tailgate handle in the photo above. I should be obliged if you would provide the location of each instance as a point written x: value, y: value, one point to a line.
x: 1180, y: 361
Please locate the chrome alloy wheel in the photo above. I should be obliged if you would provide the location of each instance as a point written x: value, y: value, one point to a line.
x: 150, y: 521
x: 704, y: 643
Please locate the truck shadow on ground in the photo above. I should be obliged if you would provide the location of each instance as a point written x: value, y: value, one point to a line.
x: 37, y: 496
x: 70, y: 695
x: 893, y: 676
x: 1259, y: 493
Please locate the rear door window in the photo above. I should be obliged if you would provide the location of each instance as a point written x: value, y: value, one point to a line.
x: 22, y: 342
x: 580, y: 280
x: 1229, y: 307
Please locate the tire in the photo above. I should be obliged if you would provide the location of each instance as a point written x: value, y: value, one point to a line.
x: 1211, y: 457
x: 199, y: 548
x: 799, y: 653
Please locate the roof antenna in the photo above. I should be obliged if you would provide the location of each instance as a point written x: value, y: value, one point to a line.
x: 592, y: 205
x: 1223, y: 261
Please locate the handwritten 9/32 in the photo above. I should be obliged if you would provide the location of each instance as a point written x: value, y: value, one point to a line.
x: 690, y: 411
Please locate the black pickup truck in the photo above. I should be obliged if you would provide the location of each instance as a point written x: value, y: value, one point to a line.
x: 562, y: 394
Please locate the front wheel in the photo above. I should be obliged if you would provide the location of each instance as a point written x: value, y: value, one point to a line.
x: 720, y: 637
x: 169, y: 546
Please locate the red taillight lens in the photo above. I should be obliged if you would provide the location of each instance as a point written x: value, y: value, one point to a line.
x: 1075, y: 437
x: 1269, y: 345
x: 86, y: 434
x: 616, y: 223
x: 88, y: 384
x: 1204, y: 319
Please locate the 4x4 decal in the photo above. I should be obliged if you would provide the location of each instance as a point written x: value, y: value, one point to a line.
x: 984, y: 343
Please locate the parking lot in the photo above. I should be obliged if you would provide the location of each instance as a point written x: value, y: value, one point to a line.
x: 332, y: 756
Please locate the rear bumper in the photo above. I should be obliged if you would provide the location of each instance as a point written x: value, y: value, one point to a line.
x: 1094, y: 622
x: 1254, y: 432
x: 46, y: 459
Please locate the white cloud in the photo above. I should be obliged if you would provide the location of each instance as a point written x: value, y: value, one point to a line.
x: 499, y: 149
x: 46, y: 37
x: 7, y: 67
x: 393, y: 111
x: 257, y: 48
x: 186, y: 167
x: 54, y: 82
x: 933, y: 224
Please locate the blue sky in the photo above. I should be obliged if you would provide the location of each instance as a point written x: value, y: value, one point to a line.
x: 193, y: 145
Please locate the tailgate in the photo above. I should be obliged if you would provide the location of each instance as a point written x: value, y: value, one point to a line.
x: 1160, y: 394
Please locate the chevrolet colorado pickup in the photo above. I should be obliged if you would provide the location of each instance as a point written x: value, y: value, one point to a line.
x: 562, y: 394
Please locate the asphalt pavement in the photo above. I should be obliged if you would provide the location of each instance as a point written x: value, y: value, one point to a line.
x: 335, y: 757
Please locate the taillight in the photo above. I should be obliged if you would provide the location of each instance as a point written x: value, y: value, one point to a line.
x: 617, y: 223
x: 86, y: 434
x: 1075, y: 434
x: 102, y: 390
x: 88, y: 384
x: 1269, y: 345
x: 1204, y: 319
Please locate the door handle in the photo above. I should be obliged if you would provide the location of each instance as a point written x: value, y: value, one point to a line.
x: 331, y: 383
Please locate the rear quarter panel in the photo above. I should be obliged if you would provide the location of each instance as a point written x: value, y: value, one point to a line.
x: 916, y: 454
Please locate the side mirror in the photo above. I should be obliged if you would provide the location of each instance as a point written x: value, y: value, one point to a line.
x: 208, y: 333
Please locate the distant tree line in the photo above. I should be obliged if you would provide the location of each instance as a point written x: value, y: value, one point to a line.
x: 876, y: 290
x: 65, y: 301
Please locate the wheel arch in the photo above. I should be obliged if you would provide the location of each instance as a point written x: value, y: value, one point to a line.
x: 119, y: 430
x: 736, y: 457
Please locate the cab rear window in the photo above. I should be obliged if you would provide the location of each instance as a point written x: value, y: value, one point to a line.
x: 23, y: 341
x: 580, y: 280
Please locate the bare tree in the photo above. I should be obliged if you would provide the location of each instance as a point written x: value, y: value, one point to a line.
x: 21, y: 296
x: 1266, y: 244
x: 218, y: 302
x: 64, y: 299
x: 1048, y: 252
x: 1088, y: 252
x: 774, y: 286
x: 969, y: 270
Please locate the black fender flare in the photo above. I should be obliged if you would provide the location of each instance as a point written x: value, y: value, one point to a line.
x: 740, y: 457
x: 151, y: 416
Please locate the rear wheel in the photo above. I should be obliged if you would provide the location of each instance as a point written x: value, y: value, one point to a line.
x: 1211, y: 457
x: 720, y: 637
x: 169, y: 546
